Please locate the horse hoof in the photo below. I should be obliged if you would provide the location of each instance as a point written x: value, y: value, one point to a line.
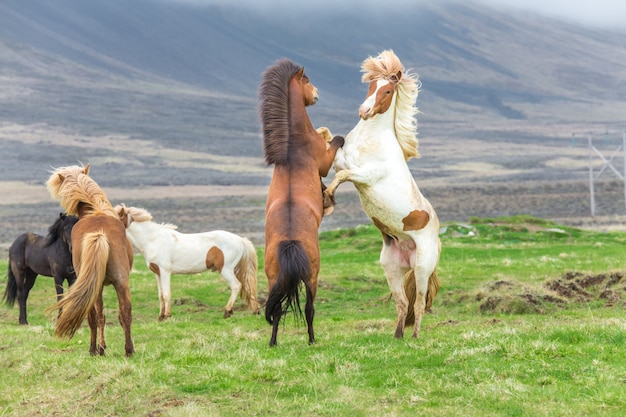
x: 228, y: 313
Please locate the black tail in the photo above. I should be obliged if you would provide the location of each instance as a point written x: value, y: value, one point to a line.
x: 10, y: 293
x: 294, y: 268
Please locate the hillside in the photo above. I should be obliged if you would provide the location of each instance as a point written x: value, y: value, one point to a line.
x: 163, y: 94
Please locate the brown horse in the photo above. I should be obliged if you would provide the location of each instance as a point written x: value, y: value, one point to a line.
x: 294, y: 203
x: 101, y: 254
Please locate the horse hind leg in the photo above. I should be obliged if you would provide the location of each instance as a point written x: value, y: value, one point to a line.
x: 394, y: 272
x: 275, y: 315
x: 309, y: 313
x: 125, y: 314
x: 428, y: 288
x: 235, y: 289
x: 25, y: 282
x: 97, y: 322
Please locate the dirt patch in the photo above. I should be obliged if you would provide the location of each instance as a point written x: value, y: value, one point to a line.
x: 573, y: 287
x: 579, y: 287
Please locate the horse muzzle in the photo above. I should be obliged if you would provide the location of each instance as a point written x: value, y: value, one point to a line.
x: 365, y: 112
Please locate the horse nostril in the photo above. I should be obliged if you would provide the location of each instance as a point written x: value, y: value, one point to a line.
x: 364, y: 112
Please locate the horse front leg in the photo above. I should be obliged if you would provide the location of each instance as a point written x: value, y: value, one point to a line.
x: 58, y: 286
x: 329, y: 192
x: 157, y: 275
x: 165, y: 295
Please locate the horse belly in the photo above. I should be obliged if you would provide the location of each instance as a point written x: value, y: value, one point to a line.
x: 396, y: 211
x: 188, y: 262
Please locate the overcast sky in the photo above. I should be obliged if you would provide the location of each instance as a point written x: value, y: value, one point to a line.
x: 607, y: 13
x: 592, y: 12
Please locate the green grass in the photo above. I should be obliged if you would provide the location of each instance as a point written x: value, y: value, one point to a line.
x: 498, y: 343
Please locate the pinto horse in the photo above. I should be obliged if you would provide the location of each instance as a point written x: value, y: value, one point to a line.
x: 168, y: 252
x: 101, y: 254
x: 31, y: 255
x: 374, y: 159
x: 294, y: 209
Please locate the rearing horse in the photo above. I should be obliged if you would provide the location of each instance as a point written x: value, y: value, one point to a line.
x: 101, y: 254
x: 294, y: 203
x: 374, y: 159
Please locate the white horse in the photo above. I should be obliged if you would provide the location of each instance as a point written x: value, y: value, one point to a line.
x: 168, y: 252
x: 374, y: 158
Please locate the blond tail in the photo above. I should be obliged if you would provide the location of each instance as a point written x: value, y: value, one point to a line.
x: 246, y: 273
x: 82, y: 295
x: 411, y: 293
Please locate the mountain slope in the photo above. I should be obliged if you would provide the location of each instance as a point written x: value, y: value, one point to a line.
x: 185, y: 77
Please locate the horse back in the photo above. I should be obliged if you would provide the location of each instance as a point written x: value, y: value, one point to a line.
x: 30, y: 251
x: 121, y: 251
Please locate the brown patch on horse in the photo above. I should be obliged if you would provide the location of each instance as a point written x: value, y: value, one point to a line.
x: 416, y: 220
x: 215, y: 259
x: 155, y: 268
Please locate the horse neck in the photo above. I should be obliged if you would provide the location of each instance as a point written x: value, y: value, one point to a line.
x: 141, y: 233
x: 299, y: 121
x: 382, y: 122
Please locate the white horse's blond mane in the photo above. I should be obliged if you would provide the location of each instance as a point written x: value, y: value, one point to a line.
x: 386, y: 66
x: 142, y: 215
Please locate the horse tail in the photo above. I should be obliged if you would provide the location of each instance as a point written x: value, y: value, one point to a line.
x: 411, y: 293
x: 10, y: 293
x: 294, y: 268
x: 81, y: 297
x: 246, y: 272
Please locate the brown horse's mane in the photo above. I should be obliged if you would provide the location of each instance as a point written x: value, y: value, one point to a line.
x: 75, y: 190
x: 274, y: 109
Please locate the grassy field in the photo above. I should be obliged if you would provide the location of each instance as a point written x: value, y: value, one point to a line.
x: 530, y: 320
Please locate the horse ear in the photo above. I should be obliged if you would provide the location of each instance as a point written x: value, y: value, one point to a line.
x: 395, y: 78
x: 86, y: 170
x: 300, y: 73
x: 61, y: 177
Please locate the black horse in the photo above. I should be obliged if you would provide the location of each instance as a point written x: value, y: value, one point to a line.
x: 31, y: 255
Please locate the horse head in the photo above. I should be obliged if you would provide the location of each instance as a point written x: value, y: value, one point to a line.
x: 379, y: 98
x: 128, y: 215
x: 67, y: 223
x: 61, y: 229
x: 391, y: 85
x: 310, y: 95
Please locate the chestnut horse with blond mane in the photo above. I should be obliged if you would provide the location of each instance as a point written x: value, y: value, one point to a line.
x: 294, y: 209
x: 374, y: 159
x: 101, y: 254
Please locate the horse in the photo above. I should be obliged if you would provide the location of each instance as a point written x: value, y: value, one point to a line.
x: 101, y: 255
x: 294, y: 209
x: 31, y: 255
x: 168, y: 252
x: 374, y: 158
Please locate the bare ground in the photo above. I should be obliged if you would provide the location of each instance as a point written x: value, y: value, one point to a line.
x: 241, y: 209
